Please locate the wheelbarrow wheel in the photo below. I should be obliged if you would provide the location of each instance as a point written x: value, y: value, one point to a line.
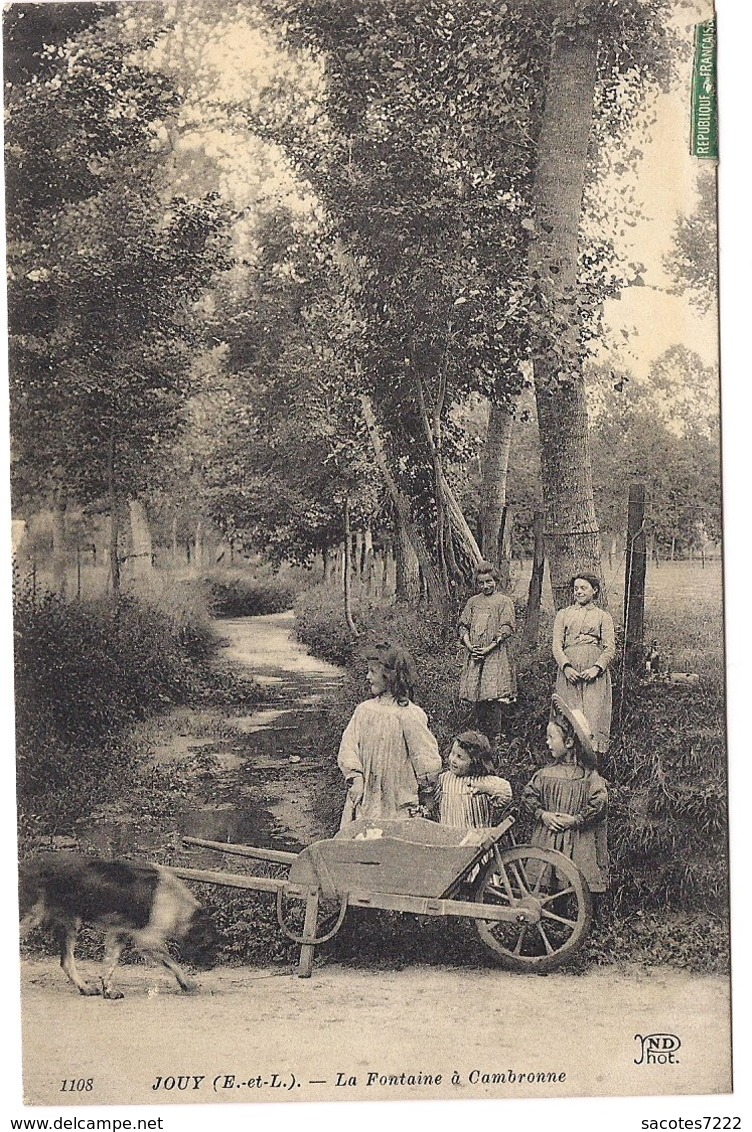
x: 546, y: 884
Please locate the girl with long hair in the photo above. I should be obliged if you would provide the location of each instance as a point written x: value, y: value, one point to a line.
x: 387, y: 753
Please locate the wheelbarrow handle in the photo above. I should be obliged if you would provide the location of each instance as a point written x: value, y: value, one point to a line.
x: 277, y: 855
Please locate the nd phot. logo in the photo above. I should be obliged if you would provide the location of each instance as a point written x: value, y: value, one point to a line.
x: 657, y: 1049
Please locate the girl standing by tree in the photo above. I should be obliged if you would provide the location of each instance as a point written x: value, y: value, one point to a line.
x: 387, y: 752
x: 488, y: 677
x: 568, y: 799
x: 584, y: 647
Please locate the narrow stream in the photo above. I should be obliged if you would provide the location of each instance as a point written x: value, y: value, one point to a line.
x: 248, y: 778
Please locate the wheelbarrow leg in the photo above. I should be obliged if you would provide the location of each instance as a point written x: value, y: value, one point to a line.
x: 305, y: 966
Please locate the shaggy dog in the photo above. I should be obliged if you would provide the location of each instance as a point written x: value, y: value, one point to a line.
x: 124, y: 899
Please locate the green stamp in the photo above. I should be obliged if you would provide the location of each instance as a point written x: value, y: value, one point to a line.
x: 704, y: 134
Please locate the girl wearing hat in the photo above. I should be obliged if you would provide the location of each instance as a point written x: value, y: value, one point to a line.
x: 584, y: 647
x: 568, y: 799
x: 387, y: 751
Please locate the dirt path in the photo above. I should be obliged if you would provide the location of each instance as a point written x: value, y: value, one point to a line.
x: 250, y: 1025
x: 274, y: 749
x: 243, y: 777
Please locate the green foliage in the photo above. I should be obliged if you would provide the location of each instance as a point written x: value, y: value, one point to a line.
x: 276, y: 434
x: 663, y: 432
x: 97, y: 666
x: 693, y: 260
x: 320, y: 625
x: 104, y: 268
x: 694, y: 941
x: 421, y: 152
x: 247, y: 926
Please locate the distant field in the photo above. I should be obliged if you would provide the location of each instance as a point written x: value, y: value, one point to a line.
x: 683, y: 608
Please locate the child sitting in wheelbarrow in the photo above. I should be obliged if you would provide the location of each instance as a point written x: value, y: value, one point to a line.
x: 469, y: 793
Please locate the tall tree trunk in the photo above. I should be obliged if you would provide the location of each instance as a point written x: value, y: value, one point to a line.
x: 347, y: 569
x: 141, y: 545
x: 385, y: 570
x: 358, y: 555
x: 368, y: 559
x: 535, y: 589
x: 572, y: 537
x: 59, y: 563
x: 450, y: 520
x: 198, y: 555
x: 407, y: 582
x: 505, y: 547
x: 437, y: 594
x: 493, y: 491
x: 114, y: 502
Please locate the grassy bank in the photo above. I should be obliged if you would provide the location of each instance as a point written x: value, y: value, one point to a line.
x: 666, y: 770
x: 85, y: 673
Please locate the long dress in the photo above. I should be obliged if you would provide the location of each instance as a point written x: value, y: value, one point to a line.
x: 391, y: 746
x: 568, y: 789
x: 584, y: 636
x: 468, y: 801
x: 486, y: 618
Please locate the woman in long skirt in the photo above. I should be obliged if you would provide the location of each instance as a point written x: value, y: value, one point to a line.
x: 584, y: 647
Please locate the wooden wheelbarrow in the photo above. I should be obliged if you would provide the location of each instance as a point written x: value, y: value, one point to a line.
x: 531, y: 906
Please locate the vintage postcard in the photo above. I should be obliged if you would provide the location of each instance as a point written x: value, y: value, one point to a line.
x: 368, y: 611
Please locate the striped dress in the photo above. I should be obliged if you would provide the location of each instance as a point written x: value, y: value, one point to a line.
x: 468, y: 802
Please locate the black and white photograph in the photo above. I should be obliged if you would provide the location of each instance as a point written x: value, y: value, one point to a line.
x: 367, y: 552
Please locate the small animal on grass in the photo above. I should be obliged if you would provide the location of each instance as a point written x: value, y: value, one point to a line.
x: 125, y: 900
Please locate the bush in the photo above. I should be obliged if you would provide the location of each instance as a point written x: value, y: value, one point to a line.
x: 239, y: 594
x: 85, y: 672
x: 88, y: 669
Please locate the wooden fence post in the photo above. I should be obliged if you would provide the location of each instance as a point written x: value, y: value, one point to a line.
x: 634, y: 580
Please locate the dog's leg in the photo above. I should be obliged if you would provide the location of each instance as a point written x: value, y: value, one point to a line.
x: 67, y: 934
x: 159, y: 953
x: 113, y: 946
